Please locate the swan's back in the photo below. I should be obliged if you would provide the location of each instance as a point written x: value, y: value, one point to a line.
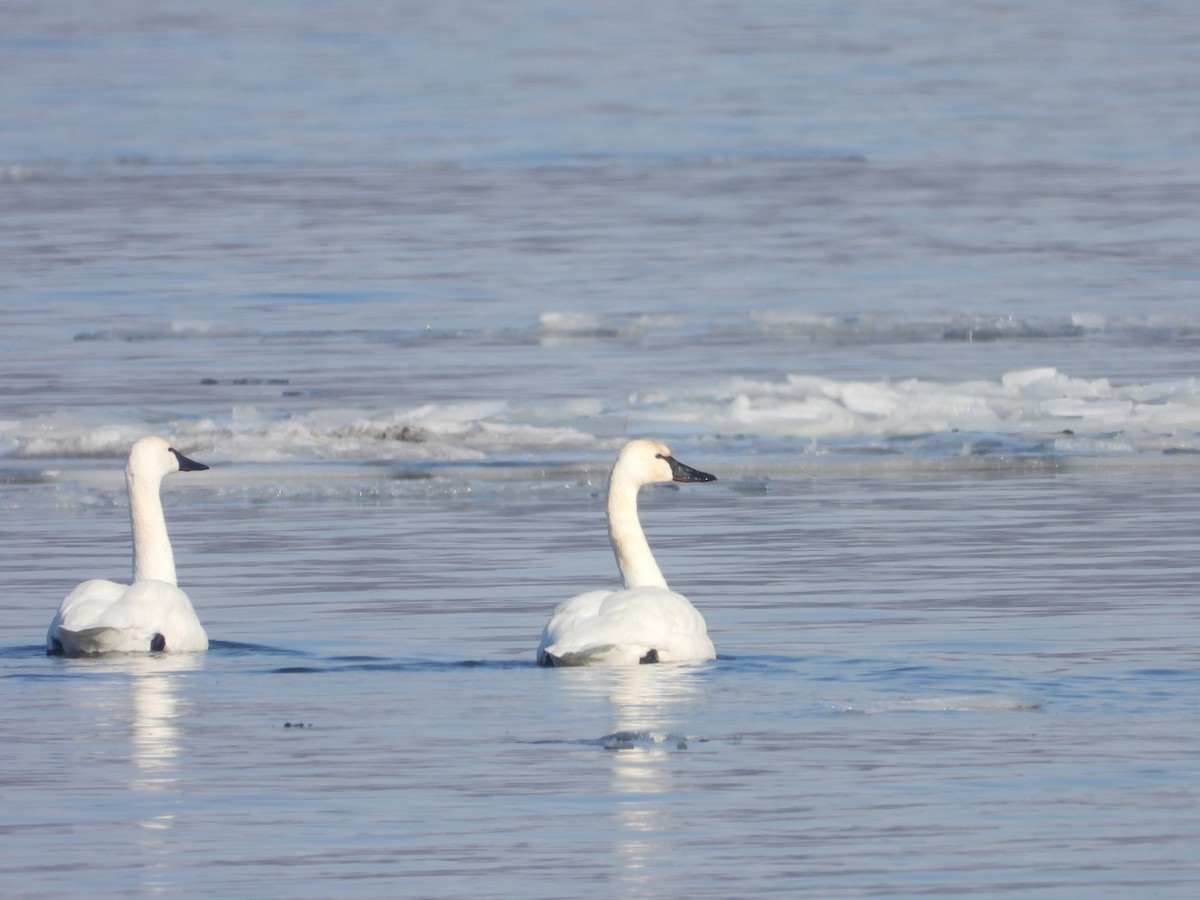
x: 105, y: 617
x: 625, y: 627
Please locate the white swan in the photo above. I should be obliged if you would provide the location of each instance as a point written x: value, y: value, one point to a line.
x: 645, y: 622
x: 152, y: 614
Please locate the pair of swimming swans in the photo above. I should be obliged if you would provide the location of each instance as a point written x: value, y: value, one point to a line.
x: 644, y: 622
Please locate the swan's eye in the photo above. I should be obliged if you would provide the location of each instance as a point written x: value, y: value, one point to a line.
x: 659, y: 456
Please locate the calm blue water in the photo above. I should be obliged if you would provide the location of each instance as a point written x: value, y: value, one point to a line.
x: 918, y: 282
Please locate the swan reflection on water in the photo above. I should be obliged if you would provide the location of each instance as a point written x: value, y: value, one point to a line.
x: 645, y: 747
x: 146, y: 706
x: 652, y: 698
x: 134, y: 703
x: 155, y: 724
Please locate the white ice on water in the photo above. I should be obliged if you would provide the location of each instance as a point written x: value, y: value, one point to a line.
x: 1068, y: 415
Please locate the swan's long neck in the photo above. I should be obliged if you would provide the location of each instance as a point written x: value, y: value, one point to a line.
x: 152, y: 557
x: 634, y: 558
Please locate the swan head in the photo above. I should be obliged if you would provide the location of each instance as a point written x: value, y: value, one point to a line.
x: 649, y: 462
x: 153, y: 457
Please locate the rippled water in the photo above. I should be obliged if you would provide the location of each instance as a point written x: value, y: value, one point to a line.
x: 924, y: 685
x: 917, y: 282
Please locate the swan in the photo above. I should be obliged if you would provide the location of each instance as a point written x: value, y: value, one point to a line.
x: 152, y: 614
x: 645, y: 622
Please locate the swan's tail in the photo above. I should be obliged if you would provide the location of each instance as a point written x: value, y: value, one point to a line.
x: 605, y: 655
x: 66, y: 642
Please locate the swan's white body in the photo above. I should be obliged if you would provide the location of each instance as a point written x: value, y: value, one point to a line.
x: 646, y: 621
x: 152, y: 613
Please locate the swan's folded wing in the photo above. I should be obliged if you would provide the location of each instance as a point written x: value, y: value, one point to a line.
x: 657, y: 613
x: 85, y: 605
x: 659, y: 619
x: 96, y: 618
x: 152, y: 607
x: 576, y: 634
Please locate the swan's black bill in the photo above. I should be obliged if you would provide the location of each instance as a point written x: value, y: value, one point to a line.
x: 188, y: 465
x: 680, y: 472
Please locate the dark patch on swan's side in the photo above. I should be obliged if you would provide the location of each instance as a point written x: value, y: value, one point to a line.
x: 650, y: 657
x: 546, y: 661
x: 55, y: 648
x: 158, y: 643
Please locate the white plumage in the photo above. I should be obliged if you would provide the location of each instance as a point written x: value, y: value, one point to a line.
x: 152, y: 613
x: 645, y: 621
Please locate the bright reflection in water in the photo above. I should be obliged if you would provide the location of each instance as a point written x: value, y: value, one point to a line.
x: 647, y: 703
x: 154, y: 727
x: 156, y: 750
x: 145, y: 706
